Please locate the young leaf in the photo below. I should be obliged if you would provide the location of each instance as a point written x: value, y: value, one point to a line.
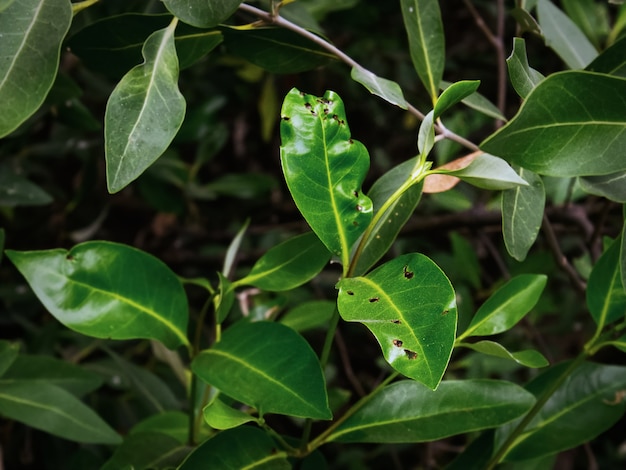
x: 589, y: 402
x: 219, y: 415
x: 410, y: 306
x: 8, y: 355
x: 406, y: 411
x: 147, y: 450
x: 144, y: 112
x: 506, y: 306
x: 479, y: 103
x: 262, y: 364
x: 324, y: 169
x: 108, y: 290
x: 528, y: 357
x: 523, y: 77
x: 565, y: 119
x: 522, y: 213
x: 563, y: 36
x: 612, y: 186
x: 454, y: 94
x: 422, y: 20
x: 243, y: 447
x: 201, y: 13
x: 386, y: 89
x: 288, y: 265
x: 426, y: 134
x: 309, y: 315
x: 224, y: 299
x: 606, y: 296
x: 488, y: 172
x: 56, y: 411
x: 32, y: 33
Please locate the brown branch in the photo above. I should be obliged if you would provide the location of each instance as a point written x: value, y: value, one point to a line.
x: 345, y: 360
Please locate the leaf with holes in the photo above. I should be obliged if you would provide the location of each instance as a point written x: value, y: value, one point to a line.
x: 144, y: 112
x: 32, y: 32
x: 409, y: 305
x: 324, y: 169
x: 267, y: 366
x: 606, y: 295
x: 202, y: 13
x: 528, y: 357
x: 108, y: 290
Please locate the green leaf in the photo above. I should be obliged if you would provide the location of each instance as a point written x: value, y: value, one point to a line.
x: 324, y: 169
x: 525, y: 21
x: 244, y: 447
x: 32, y: 33
x: 612, y: 60
x: 4, y: 4
x: 263, y: 365
x: 488, y: 172
x: 408, y: 412
x: 112, y: 45
x: 590, y: 17
x: 144, y: 112
x: 219, y: 415
x: 224, y: 299
x: 309, y: 315
x: 147, y: 450
x: 172, y: 423
x: 202, y: 13
x: 606, y: 296
x: 8, y: 354
x: 108, y: 290
x: 589, y: 402
x: 528, y: 357
x: 15, y: 190
x: 410, y: 306
x: 422, y: 20
x: 53, y: 410
x: 468, y: 267
x: 563, y: 36
x: 233, y: 249
x: 276, y: 50
x: 479, y: 103
x: 388, y: 90
x: 426, y: 134
x: 522, y: 213
x: 611, y: 186
x: 622, y: 254
x: 506, y: 306
x: 389, y: 225
x: 523, y: 77
x: 288, y: 265
x: 454, y: 94
x: 567, y: 118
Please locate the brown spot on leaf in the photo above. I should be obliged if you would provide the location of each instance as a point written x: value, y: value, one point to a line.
x: 374, y: 300
x: 397, y: 322
x: 407, y: 274
x: 397, y: 343
x: 411, y: 355
x: 349, y: 292
x: 445, y: 312
x: 285, y: 118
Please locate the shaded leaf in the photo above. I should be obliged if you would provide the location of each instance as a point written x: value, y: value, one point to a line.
x: 15, y: 190
x: 590, y: 17
x: 523, y: 77
x: 108, y: 290
x: 388, y: 90
x: 324, y: 169
x: 563, y: 36
x: 454, y: 94
x: 172, y: 423
x: 4, y: 4
x: 54, y: 410
x: 233, y: 249
x: 242, y: 447
x: 263, y: 365
x: 144, y: 112
x: 145, y: 451
x: 422, y: 21
x: 8, y: 355
x: 528, y: 357
x: 410, y: 307
x: 525, y: 20
x: 522, y: 213
x: 32, y: 33
x: 565, y: 119
x: 219, y: 415
x: 202, y: 13
x: 309, y: 315
x: 288, y: 265
x: 407, y: 411
x: 506, y: 306
x: 612, y: 60
x: 488, y: 172
x: 611, y: 186
x: 622, y: 254
x: 606, y: 296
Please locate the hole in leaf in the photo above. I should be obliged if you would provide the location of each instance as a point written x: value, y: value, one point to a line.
x: 373, y: 300
x: 355, y: 223
x: 411, y: 355
x: 350, y: 141
x: 445, y: 312
x: 398, y: 343
x: 397, y: 322
x: 285, y: 118
x: 356, y: 193
x: 349, y: 292
x: 407, y: 274
x: 359, y: 207
x: 70, y: 257
x: 307, y: 105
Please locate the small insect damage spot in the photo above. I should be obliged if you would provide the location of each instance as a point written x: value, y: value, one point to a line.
x: 310, y: 108
x: 339, y: 121
x: 407, y: 274
x: 398, y: 343
x: 350, y: 141
x: 349, y: 292
x: 619, y: 398
x: 285, y: 118
x: 374, y: 300
x: 302, y: 93
x: 396, y: 322
x: 359, y: 208
x: 355, y: 223
x: 324, y: 101
x: 356, y: 193
x: 70, y: 257
x: 445, y: 312
x: 411, y: 355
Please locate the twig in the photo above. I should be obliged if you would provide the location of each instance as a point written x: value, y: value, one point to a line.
x: 345, y: 360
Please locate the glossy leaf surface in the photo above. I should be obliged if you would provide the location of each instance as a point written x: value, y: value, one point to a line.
x: 606, y: 296
x: 267, y: 366
x: 53, y: 410
x: 454, y: 94
x: 224, y: 299
x: 523, y: 77
x: 489, y: 172
x: 611, y: 186
x: 407, y: 411
x: 409, y: 305
x: 243, y: 447
x: 422, y: 20
x: 612, y: 60
x: 506, y: 306
x: 32, y: 33
x: 522, y: 214
x: 147, y: 450
x: 202, y: 13
x: 289, y: 264
x: 324, y: 169
x: 528, y: 358
x: 388, y: 90
x: 567, y: 118
x: 589, y: 402
x: 219, y: 415
x: 144, y: 112
x: 108, y: 290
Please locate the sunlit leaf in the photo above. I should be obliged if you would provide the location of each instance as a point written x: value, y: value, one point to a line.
x: 528, y: 357
x: 144, y: 112
x: 565, y: 119
x: 523, y: 77
x: 324, y: 169
x: 388, y: 90
x: 407, y: 411
x: 202, y: 13
x: 606, y: 296
x: 410, y: 306
x: 267, y: 366
x: 454, y: 94
x: 219, y: 415
x: 108, y: 290
x: 32, y: 33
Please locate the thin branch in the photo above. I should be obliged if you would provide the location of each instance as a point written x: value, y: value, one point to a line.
x: 560, y: 258
x: 345, y: 360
